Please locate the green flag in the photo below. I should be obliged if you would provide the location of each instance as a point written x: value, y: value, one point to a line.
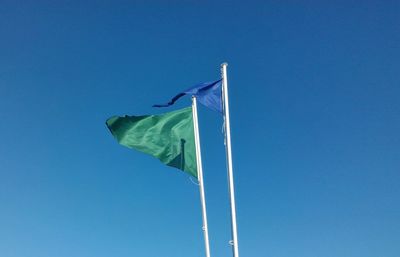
x: 168, y: 137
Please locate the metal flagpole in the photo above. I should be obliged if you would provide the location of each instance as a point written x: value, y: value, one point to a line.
x: 234, y: 241
x: 200, y: 175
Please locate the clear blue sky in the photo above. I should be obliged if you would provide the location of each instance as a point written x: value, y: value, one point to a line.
x: 315, y: 112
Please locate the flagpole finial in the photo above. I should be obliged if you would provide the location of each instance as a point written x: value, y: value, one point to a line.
x: 224, y: 64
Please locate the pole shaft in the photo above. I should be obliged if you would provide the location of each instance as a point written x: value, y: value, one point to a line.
x: 229, y: 158
x: 200, y: 175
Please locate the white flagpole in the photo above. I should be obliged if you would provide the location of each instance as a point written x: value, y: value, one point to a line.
x: 234, y: 241
x: 200, y: 175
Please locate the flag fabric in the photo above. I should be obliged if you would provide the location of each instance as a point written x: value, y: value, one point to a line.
x: 168, y: 137
x: 208, y: 94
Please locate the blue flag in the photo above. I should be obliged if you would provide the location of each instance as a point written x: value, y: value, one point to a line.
x: 208, y: 94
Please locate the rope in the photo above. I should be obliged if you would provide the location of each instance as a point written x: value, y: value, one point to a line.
x: 196, y: 183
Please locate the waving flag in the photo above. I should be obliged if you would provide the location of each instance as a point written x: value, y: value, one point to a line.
x: 207, y: 93
x: 169, y: 137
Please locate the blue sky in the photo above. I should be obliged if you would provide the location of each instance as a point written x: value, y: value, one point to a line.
x: 315, y: 113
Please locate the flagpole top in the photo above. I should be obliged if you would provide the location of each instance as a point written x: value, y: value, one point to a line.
x: 224, y: 64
